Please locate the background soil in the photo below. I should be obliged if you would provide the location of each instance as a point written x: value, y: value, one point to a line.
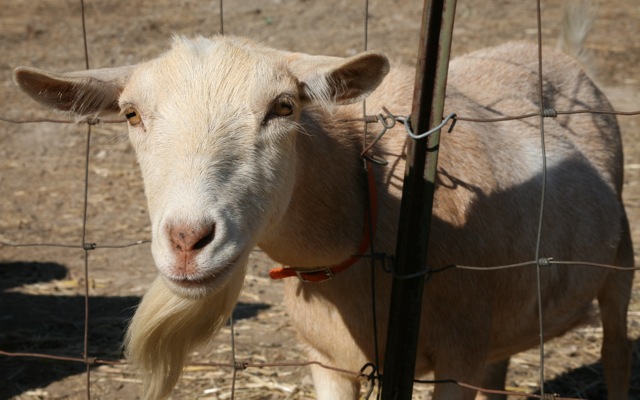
x: 42, y: 181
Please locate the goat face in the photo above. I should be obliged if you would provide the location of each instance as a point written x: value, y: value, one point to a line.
x: 214, y: 129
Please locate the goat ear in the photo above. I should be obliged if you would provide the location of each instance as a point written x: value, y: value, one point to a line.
x: 84, y: 92
x: 340, y: 80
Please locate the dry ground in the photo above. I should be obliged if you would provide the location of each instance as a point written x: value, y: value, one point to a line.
x: 42, y: 178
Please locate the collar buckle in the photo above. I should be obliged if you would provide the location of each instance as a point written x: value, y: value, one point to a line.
x: 315, y: 275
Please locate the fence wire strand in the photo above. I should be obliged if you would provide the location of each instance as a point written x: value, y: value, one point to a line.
x: 540, y: 263
x: 85, y: 207
x: 543, y: 191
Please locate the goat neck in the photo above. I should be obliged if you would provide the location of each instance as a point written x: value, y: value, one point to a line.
x: 329, y: 195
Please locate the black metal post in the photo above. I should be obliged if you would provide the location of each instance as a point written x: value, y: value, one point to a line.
x: 417, y: 200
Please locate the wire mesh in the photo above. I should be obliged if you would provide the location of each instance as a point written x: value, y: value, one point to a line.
x: 235, y: 365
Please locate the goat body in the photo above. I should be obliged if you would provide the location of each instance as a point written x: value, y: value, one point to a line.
x: 241, y: 145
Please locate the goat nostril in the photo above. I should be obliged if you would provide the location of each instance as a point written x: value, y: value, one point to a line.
x: 206, y: 239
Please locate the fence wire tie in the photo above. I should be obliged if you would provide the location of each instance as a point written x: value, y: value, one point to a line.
x: 89, y: 246
x: 549, y: 113
x: 371, y: 378
x: 545, y: 261
x: 383, y: 119
x: 387, y: 121
x: 407, y: 126
x: 390, y: 269
x: 240, y: 366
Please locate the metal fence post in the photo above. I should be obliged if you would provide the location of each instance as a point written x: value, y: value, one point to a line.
x: 417, y: 200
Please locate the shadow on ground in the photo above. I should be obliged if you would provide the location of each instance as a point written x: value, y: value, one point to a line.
x: 587, y: 382
x: 53, y: 324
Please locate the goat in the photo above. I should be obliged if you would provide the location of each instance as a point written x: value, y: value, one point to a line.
x: 241, y: 145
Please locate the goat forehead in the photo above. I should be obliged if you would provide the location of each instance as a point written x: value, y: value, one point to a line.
x: 215, y: 75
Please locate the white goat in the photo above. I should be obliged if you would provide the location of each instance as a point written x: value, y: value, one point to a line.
x: 241, y: 145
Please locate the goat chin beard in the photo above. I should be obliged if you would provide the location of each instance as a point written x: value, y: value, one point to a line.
x: 168, y: 325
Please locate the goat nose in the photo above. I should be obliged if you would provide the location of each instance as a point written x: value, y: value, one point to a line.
x: 188, y: 239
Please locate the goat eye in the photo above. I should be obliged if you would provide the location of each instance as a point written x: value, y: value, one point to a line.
x: 133, y: 116
x: 283, y: 108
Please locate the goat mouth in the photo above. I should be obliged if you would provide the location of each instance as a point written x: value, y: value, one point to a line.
x: 207, y: 282
x: 193, y: 283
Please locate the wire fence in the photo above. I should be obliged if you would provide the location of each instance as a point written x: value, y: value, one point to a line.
x: 383, y: 121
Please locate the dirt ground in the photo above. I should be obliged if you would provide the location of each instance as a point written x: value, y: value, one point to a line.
x: 42, y: 184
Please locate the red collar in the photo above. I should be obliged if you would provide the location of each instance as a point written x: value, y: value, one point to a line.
x: 326, y: 273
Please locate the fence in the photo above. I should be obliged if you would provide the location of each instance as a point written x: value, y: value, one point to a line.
x: 87, y: 215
